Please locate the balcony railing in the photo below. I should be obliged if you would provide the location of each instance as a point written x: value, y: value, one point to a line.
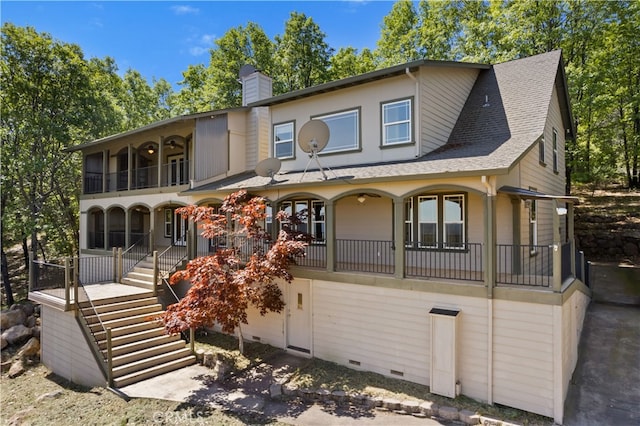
x: 459, y: 262
x: 173, y: 174
x: 365, y: 256
x: 524, y: 265
x: 96, y: 240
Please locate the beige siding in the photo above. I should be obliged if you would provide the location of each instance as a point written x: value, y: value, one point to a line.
x: 573, y: 313
x: 257, y: 134
x: 268, y: 328
x: 65, y: 351
x: 386, y: 330
x: 443, y: 93
x: 377, y: 226
x: 523, y: 356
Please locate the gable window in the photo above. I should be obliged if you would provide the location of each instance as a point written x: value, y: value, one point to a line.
x: 440, y: 219
x: 312, y: 217
x: 344, y: 130
x: 283, y: 140
x: 541, y: 150
x: 555, y: 151
x: 396, y: 122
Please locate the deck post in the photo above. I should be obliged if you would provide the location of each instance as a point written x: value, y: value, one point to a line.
x: 32, y: 272
x: 571, y: 237
x: 398, y: 243
x: 76, y: 281
x: 330, y: 246
x: 155, y: 272
x: 192, y: 340
x: 115, y: 264
x: 557, y: 249
x: 120, y: 265
x: 109, y: 358
x: 67, y: 283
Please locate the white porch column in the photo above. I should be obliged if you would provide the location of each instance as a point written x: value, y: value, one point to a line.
x: 105, y: 170
x: 127, y: 228
x: 489, y: 252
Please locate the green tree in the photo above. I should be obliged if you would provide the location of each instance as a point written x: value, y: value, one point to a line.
x: 302, y: 57
x: 48, y: 102
x: 347, y: 62
x: 398, y: 42
x: 438, y: 29
x: 141, y: 103
x: 193, y: 96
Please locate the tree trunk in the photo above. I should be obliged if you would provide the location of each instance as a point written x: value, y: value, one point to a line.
x: 240, y: 340
x: 25, y: 253
x: 5, y: 279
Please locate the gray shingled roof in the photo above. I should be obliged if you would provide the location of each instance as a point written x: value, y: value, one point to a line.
x: 486, y: 139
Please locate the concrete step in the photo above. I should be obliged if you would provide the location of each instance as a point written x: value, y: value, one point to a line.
x: 121, y: 322
x: 129, y: 334
x: 122, y: 313
x: 141, y: 343
x: 152, y: 361
x: 117, y: 306
x: 154, y: 371
x: 141, y: 269
x: 153, y: 350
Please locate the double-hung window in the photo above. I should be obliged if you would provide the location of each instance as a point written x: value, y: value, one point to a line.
x: 344, y: 130
x: 396, y: 122
x: 283, y: 135
x: 311, y: 216
x: 440, y: 221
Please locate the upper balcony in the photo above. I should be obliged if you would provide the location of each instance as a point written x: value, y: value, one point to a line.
x: 149, y: 165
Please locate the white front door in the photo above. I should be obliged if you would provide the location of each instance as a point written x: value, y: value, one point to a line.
x: 299, y: 317
x: 443, y: 352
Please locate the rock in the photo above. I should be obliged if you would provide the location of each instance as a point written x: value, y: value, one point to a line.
x: 5, y: 365
x: 19, y: 417
x: 429, y: 408
x: 35, y: 332
x: 449, y: 413
x: 17, y: 368
x: 323, y: 395
x: 3, y: 343
x: 16, y: 334
x: 208, y: 360
x: 339, y: 396
x: 290, y: 390
x: 469, y: 417
x: 31, y: 348
x: 12, y: 318
x: 200, y: 356
x: 391, y: 404
x: 53, y: 394
x: 27, y: 307
x: 30, y: 322
x: 275, y: 391
x: 410, y: 406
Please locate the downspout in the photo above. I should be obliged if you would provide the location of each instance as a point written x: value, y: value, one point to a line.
x: 417, y: 116
x: 489, y: 184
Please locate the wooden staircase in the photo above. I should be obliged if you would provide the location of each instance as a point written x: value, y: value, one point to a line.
x: 140, y: 349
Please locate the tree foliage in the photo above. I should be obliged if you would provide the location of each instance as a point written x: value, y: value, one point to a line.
x: 242, y: 274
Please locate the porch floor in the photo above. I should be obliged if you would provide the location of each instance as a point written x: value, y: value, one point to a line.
x: 98, y: 291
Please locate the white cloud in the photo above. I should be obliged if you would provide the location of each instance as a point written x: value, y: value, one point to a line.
x: 208, y: 39
x: 185, y: 10
x: 198, y: 50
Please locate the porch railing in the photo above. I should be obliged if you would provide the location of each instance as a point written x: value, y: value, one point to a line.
x: 175, y: 173
x: 93, y: 182
x: 97, y: 269
x: 144, y: 177
x: 459, y: 262
x: 526, y: 265
x: 374, y: 256
x: 96, y: 240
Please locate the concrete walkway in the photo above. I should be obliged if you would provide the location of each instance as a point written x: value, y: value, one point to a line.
x: 605, y: 388
x: 248, y: 395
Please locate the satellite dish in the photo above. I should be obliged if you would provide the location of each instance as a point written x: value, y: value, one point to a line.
x: 246, y: 70
x: 268, y: 168
x: 313, y: 136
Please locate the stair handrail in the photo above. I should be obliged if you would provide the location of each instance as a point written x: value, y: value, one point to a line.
x: 138, y: 251
x: 164, y: 275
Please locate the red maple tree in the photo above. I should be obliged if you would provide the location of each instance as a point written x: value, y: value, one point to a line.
x: 242, y: 272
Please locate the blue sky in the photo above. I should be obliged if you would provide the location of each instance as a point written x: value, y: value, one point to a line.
x: 161, y: 38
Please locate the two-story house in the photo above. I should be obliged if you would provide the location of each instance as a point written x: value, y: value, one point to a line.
x: 443, y: 249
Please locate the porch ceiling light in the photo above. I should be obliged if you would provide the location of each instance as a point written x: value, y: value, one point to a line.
x: 361, y: 198
x: 150, y: 149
